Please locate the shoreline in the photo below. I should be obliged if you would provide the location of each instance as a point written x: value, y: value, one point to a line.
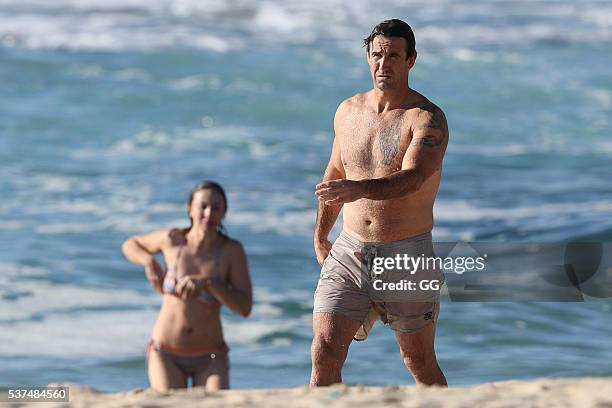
x: 581, y: 392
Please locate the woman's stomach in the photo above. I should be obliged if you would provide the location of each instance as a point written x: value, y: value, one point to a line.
x: 188, y: 324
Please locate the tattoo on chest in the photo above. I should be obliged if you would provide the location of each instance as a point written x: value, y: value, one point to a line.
x: 388, y: 141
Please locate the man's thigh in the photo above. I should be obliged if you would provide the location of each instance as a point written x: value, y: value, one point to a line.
x: 418, y: 344
x: 339, y: 290
x: 410, y: 317
x: 335, y: 330
x: 333, y: 334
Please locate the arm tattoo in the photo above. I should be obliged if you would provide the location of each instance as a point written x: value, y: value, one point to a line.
x: 388, y: 140
x: 431, y: 118
x: 428, y: 141
x: 428, y: 125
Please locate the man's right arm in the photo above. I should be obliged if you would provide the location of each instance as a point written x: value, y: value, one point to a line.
x: 326, y: 213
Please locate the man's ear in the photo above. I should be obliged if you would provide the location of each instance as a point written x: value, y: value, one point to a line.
x: 412, y: 60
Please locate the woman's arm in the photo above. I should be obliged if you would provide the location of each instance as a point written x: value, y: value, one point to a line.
x: 238, y: 294
x: 140, y: 249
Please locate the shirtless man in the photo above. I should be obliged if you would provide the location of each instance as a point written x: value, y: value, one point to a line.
x: 384, y: 170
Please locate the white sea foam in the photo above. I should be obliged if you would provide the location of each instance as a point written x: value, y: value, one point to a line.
x: 224, y: 142
x: 286, y: 223
x: 151, y: 141
x: 266, y: 295
x: 105, y: 335
x: 249, y: 331
x: 548, y: 141
x: 223, y: 26
x: 78, y: 207
x: 113, y: 334
x: 130, y: 209
x: 462, y: 210
x: 131, y: 74
x: 71, y: 321
x: 86, y: 71
x: 58, y: 320
x: 12, y: 225
x: 601, y: 96
x: 65, y: 297
x: 11, y: 270
x: 195, y: 82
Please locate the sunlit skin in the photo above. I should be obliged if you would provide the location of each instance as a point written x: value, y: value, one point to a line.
x: 206, y: 212
x: 389, y: 70
x: 388, y: 64
x: 383, y: 173
x: 204, y: 261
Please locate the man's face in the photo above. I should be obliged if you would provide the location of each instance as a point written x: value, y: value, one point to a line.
x: 388, y: 64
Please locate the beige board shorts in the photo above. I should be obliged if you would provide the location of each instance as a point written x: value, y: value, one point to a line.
x: 347, y: 285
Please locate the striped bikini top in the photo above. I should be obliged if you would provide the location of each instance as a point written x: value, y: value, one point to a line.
x: 170, y: 281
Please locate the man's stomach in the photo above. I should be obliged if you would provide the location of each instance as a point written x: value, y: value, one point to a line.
x: 384, y: 221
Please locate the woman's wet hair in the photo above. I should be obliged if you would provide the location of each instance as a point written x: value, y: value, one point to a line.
x: 393, y: 28
x: 208, y: 185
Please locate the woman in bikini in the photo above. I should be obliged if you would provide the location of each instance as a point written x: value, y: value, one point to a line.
x: 205, y: 269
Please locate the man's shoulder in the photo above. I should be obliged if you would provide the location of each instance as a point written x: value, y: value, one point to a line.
x: 425, y: 114
x: 356, y: 101
x: 423, y: 104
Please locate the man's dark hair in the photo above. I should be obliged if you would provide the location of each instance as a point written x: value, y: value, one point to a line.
x: 393, y: 28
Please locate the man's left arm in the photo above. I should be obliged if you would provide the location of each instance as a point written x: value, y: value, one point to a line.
x: 421, y: 160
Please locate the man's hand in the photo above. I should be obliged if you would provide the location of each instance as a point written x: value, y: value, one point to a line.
x: 154, y: 274
x: 340, y: 191
x: 322, y: 248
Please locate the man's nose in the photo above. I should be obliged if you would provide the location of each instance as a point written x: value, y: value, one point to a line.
x: 384, y: 62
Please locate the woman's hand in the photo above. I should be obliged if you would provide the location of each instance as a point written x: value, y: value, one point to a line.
x: 213, y: 285
x: 154, y: 274
x: 190, y: 286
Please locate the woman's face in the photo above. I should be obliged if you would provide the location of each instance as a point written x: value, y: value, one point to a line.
x: 207, y: 210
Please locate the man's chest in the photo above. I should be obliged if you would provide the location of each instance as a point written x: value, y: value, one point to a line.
x: 373, y: 147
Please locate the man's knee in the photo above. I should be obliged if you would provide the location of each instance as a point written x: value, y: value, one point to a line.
x: 419, y: 360
x: 327, y: 361
x: 326, y: 352
x: 322, y: 347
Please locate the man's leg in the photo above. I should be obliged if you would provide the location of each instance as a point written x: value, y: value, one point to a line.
x: 417, y: 350
x: 332, y: 336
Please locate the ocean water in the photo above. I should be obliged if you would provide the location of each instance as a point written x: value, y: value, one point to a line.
x: 111, y: 112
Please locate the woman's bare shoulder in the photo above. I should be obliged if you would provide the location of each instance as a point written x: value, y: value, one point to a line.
x: 176, y: 236
x: 233, y: 247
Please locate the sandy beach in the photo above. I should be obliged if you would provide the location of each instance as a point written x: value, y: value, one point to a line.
x: 568, y: 392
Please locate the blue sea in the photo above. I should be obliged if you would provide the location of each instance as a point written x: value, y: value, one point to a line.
x: 112, y: 111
